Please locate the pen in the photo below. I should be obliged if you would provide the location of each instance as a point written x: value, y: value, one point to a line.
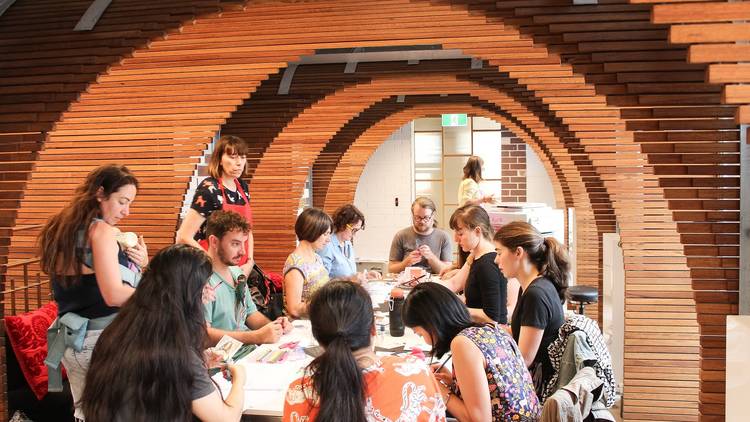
x: 442, y: 364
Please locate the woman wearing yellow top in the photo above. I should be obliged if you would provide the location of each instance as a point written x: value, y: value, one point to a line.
x: 468, y: 190
x: 469, y: 194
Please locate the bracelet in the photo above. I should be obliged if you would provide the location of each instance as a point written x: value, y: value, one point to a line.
x: 448, y: 398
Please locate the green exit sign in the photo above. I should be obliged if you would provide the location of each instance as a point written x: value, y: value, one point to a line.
x: 454, y: 119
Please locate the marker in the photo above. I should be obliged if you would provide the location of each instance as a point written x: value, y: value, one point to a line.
x: 260, y: 359
x: 275, y: 356
x: 283, y: 357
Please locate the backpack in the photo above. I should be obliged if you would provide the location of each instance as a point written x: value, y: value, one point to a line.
x: 267, y: 292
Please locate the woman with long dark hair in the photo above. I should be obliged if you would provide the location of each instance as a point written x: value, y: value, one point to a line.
x: 148, y: 364
x: 541, y: 266
x: 348, y: 382
x: 489, y: 378
x: 91, y: 274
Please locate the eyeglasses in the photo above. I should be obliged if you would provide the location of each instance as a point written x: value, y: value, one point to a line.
x: 422, y: 219
x: 353, y: 229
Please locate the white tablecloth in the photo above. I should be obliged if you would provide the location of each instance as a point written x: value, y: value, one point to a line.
x: 267, y: 383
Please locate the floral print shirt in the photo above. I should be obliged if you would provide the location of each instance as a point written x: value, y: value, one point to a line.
x: 313, y: 271
x: 399, y: 389
x: 512, y: 394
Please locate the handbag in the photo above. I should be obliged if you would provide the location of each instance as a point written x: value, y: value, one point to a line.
x: 267, y: 293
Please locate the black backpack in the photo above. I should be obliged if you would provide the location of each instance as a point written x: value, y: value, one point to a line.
x: 267, y: 293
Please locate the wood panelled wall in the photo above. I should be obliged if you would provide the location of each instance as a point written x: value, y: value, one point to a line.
x: 310, y: 80
x: 626, y: 120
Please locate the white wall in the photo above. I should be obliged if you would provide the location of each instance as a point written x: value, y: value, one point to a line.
x: 613, y: 286
x: 738, y: 367
x: 387, y: 175
x: 538, y: 183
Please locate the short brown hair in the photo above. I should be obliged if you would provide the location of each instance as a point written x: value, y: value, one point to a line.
x: 311, y: 224
x: 227, y: 144
x: 220, y: 223
x: 472, y: 216
x: 424, y: 202
x: 347, y: 214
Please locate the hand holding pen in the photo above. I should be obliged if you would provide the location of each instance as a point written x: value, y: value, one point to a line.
x: 442, y: 374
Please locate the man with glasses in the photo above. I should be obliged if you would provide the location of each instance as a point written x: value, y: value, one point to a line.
x: 422, y: 244
x: 232, y: 312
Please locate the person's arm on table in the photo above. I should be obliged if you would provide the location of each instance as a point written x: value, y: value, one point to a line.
x: 269, y: 333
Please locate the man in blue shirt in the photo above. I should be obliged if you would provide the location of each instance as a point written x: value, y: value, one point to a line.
x: 233, y: 312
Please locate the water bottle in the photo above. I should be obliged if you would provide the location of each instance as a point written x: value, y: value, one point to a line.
x: 396, y: 305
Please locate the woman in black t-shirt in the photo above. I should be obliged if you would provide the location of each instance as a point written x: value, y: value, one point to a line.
x: 541, y: 266
x: 485, y: 288
x: 223, y: 190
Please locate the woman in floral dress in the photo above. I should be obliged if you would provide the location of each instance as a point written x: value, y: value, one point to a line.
x: 489, y: 378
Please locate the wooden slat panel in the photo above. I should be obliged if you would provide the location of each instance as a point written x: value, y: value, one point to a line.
x: 662, y: 196
x: 701, y: 12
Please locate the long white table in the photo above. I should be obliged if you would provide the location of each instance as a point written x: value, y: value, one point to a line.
x: 267, y: 383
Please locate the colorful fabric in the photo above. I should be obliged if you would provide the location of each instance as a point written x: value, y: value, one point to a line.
x: 313, y: 272
x: 512, y: 393
x: 398, y: 389
x: 27, y: 334
x: 595, y: 340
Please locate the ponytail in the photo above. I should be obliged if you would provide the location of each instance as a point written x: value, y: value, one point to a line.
x: 546, y: 253
x: 555, y: 265
x: 338, y: 381
x: 341, y: 318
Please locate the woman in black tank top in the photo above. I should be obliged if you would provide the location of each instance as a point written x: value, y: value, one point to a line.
x: 87, y: 267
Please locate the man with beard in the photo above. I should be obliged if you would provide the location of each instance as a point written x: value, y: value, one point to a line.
x: 422, y: 244
x: 233, y: 312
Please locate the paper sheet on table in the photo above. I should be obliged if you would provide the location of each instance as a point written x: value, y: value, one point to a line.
x: 261, y: 402
x: 270, y: 376
x: 409, y: 341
